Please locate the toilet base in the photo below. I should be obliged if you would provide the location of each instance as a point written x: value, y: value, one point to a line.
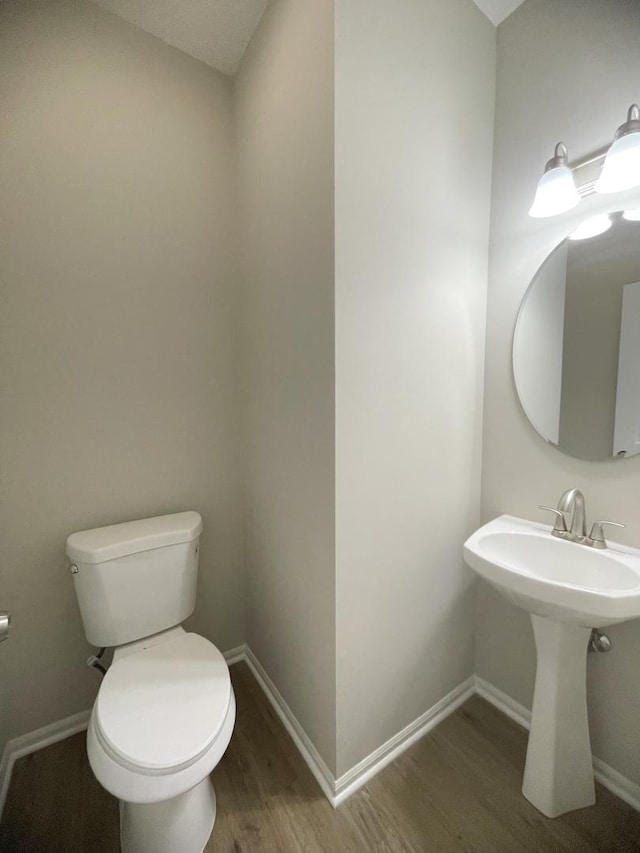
x: 182, y: 823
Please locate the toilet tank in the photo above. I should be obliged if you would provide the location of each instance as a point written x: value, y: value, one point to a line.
x: 135, y: 579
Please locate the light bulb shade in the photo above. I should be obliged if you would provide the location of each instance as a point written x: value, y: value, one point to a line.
x: 592, y: 227
x: 632, y: 215
x: 556, y: 193
x: 621, y: 169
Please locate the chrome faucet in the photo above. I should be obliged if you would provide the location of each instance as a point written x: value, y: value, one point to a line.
x: 572, y: 501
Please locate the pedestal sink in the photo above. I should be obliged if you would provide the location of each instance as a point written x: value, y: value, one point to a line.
x: 568, y: 589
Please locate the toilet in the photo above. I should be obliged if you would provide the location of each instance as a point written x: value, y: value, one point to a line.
x: 165, y: 711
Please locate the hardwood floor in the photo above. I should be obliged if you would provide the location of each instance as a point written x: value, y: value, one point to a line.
x: 455, y: 791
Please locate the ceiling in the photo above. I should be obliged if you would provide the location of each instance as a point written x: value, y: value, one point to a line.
x: 218, y: 31
x: 215, y: 31
x: 498, y: 10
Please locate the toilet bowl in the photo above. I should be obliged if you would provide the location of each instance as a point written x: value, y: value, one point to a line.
x: 162, y: 720
x: 165, y: 710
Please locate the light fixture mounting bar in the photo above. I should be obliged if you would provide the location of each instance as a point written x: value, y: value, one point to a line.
x: 586, y: 171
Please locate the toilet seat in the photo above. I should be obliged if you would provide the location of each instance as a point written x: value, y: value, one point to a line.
x: 179, y: 688
x: 159, y: 710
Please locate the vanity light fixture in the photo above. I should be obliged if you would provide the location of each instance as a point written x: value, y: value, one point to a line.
x: 632, y: 215
x: 556, y: 191
x: 592, y: 227
x: 610, y: 170
x: 621, y: 170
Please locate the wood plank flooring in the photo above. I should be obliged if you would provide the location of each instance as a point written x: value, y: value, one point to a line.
x: 455, y: 791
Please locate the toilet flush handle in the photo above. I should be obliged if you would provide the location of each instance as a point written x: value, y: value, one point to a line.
x: 5, y: 624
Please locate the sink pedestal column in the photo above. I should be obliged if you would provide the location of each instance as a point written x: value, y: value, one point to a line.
x: 558, y: 775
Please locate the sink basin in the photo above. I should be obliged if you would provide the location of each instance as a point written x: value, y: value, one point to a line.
x: 555, y: 578
x: 568, y: 589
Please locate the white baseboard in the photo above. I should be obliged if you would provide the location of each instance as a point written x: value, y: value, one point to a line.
x: 373, y: 763
x: 316, y: 764
x: 618, y: 784
x: 338, y: 790
x: 236, y: 655
x: 504, y: 703
x: 33, y: 741
x: 609, y: 778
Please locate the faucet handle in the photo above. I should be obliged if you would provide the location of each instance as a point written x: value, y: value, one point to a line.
x: 560, y: 525
x: 596, y: 537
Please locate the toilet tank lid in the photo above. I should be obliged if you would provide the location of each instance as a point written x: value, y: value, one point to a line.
x: 119, y: 540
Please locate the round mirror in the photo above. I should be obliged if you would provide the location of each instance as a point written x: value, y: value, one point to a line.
x: 576, y: 347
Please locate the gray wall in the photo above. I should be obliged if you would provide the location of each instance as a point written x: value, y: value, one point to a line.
x: 566, y: 71
x: 118, y: 393
x: 414, y: 126
x: 284, y: 112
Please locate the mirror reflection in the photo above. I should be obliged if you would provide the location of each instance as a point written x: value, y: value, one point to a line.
x: 576, y: 348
